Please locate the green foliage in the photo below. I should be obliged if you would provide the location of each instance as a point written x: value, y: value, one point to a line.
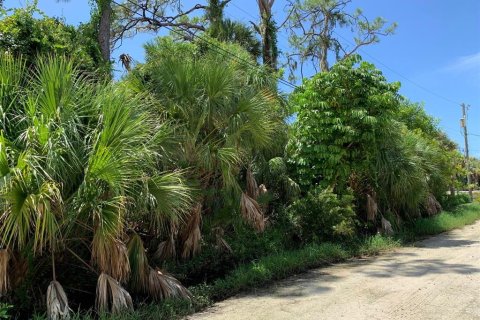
x: 450, y: 202
x: 445, y: 221
x: 79, y: 160
x: 324, y: 215
x: 29, y: 33
x: 341, y: 115
x: 5, y: 310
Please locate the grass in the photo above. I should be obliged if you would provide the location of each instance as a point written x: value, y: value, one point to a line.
x: 445, y: 221
x: 283, y: 264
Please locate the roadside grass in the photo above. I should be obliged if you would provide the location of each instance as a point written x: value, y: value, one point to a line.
x: 287, y: 263
x: 445, y: 221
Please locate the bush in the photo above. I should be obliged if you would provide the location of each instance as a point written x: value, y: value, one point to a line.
x: 324, y: 215
x: 449, y: 202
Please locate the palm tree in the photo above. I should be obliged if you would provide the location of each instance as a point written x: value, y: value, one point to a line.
x: 225, y: 113
x: 80, y: 161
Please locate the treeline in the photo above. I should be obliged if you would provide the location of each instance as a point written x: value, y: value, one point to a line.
x: 189, y: 165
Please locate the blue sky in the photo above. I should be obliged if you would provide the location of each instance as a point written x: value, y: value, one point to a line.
x: 435, y: 52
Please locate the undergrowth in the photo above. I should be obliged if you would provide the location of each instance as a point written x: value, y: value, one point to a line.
x: 280, y: 265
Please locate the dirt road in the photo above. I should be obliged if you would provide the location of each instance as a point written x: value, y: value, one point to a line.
x: 439, y: 278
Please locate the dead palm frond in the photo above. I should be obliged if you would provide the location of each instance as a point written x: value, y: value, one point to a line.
x: 387, y: 227
x: 432, y: 206
x: 126, y: 61
x: 162, y: 285
x: 191, y: 235
x: 167, y: 249
x: 111, y: 297
x: 252, y: 213
x: 221, y: 243
x: 57, y: 302
x: 252, y: 186
x: 372, y: 208
x: 110, y: 255
x: 4, y: 276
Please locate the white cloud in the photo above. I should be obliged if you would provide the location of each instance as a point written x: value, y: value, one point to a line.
x: 465, y: 63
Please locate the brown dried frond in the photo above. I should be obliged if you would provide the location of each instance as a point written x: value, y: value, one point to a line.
x: 252, y: 212
x: 162, y: 285
x: 167, y: 249
x: 432, y: 206
x: 191, y: 235
x: 252, y: 187
x: 221, y: 243
x: 4, y: 276
x: 57, y: 302
x: 111, y: 257
x: 111, y: 297
x: 372, y: 208
x: 386, y: 227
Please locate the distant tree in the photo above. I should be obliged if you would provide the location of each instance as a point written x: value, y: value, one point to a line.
x: 267, y: 30
x: 313, y: 25
x: 29, y: 33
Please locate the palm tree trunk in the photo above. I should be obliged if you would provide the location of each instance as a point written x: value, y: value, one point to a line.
x: 105, y: 7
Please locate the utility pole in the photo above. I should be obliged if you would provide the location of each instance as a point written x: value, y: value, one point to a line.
x: 463, y: 123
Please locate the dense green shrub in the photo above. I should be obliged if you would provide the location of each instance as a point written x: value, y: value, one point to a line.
x: 29, y: 33
x: 324, y: 215
x: 449, y: 202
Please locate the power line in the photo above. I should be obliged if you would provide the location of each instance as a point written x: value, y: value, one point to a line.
x: 223, y: 51
x: 373, y: 58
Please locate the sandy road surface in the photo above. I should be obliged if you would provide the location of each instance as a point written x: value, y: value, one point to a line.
x: 439, y: 278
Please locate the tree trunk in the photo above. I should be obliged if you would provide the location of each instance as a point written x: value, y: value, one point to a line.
x: 267, y: 32
x: 105, y: 7
x: 324, y: 44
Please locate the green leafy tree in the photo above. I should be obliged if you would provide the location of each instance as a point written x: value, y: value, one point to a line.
x: 22, y: 33
x: 340, y: 116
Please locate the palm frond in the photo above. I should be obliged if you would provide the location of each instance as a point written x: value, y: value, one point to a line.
x: 111, y: 297
x: 432, y: 205
x: 252, y: 186
x: 252, y: 213
x: 167, y: 248
x: 138, y: 263
x: 191, y: 234
x: 162, y: 285
x: 172, y: 198
x: 57, y: 302
x: 372, y: 208
x: 110, y: 255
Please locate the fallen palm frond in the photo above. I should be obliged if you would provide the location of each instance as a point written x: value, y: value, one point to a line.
x: 191, y: 235
x: 111, y: 297
x: 162, y: 285
x: 4, y: 277
x: 432, y: 206
x: 167, y: 249
x: 110, y: 255
x: 372, y: 208
x: 387, y: 227
x: 252, y: 212
x: 138, y: 263
x: 57, y: 302
x: 252, y: 187
x: 221, y: 243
